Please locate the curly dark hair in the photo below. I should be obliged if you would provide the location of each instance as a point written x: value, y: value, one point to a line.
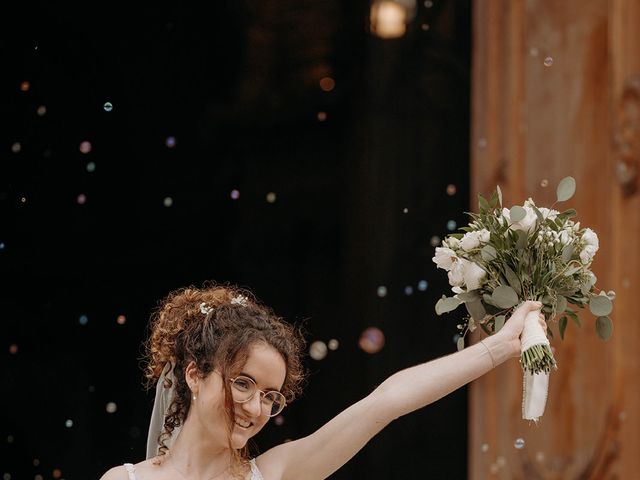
x: 180, y: 333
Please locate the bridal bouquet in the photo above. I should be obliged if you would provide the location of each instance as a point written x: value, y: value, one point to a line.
x: 508, y: 256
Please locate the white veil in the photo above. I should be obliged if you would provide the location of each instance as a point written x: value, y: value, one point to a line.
x: 164, y: 397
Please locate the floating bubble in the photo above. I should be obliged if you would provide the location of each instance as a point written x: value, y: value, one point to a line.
x: 81, y: 199
x: 85, y: 147
x: 111, y: 407
x: 484, y: 448
x: 235, y: 194
x: 167, y: 202
x: 25, y: 86
x: 333, y: 344
x: 36, y: 462
x: 327, y: 84
x: 83, y: 320
x: 23, y: 199
x: 451, y: 189
x: 382, y: 291
x: 519, y: 443
x: 611, y: 294
x: 405, y: 210
x: 91, y: 167
x: 408, y: 290
x: 451, y: 225
x: 38, y: 477
x: 271, y: 197
x: 494, y: 468
x: 56, y: 473
x: 121, y: 320
x: 322, y: 116
x: 425, y: 27
x: 13, y: 349
x: 170, y: 142
x: 16, y: 147
x: 548, y: 62
x: 544, y: 182
x: 501, y: 461
x: 533, y: 51
x: 41, y: 111
x: 423, y: 285
x: 482, y: 142
x: 434, y: 241
x: 68, y: 423
x: 107, y: 106
x: 318, y: 350
x: 540, y: 457
x: 1, y: 245
x: 428, y: 3
x: 279, y: 420
x: 371, y: 340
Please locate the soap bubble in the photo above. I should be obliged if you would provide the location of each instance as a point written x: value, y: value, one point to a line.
x: 68, y: 423
x: 333, y: 344
x: 548, y: 62
x: 111, y: 407
x: 107, y: 106
x: 423, y: 285
x: 519, y: 443
x: 371, y: 340
x: 167, y: 202
x: 382, y: 291
x: 318, y: 350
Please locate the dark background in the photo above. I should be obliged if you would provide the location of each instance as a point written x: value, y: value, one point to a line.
x: 359, y: 198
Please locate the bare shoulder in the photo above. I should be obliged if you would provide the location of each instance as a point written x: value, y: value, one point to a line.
x: 116, y: 473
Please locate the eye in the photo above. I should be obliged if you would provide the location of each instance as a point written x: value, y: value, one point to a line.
x: 242, y: 384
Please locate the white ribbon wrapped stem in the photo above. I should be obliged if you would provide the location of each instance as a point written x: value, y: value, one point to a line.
x: 535, y: 386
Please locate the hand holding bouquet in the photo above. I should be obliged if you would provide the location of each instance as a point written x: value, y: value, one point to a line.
x: 508, y: 256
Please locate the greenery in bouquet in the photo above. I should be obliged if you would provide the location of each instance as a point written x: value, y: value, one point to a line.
x: 507, y: 256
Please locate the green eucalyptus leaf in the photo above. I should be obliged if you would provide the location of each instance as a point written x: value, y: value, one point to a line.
x: 567, y: 253
x: 561, y: 304
x: 522, y: 241
x: 476, y: 310
x: 488, y: 253
x: 600, y: 305
x: 562, y: 326
x: 604, y: 327
x: 513, y: 279
x: 566, y: 189
x: 483, y: 204
x: 504, y: 297
x: 517, y: 213
x: 499, y: 194
x: 471, y: 296
x: 460, y: 344
x: 571, y: 271
x: 499, y: 322
x: 493, y: 201
x: 447, y: 304
x: 538, y: 214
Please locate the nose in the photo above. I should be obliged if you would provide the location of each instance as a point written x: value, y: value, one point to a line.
x: 253, y: 407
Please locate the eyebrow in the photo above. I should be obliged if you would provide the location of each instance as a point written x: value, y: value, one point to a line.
x: 269, y: 389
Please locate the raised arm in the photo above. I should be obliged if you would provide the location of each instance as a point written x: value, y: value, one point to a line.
x: 320, y: 454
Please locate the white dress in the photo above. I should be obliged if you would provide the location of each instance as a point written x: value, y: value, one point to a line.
x: 255, y: 473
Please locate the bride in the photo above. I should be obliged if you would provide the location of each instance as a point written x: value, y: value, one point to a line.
x: 225, y: 364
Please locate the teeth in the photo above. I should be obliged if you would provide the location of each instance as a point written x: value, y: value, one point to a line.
x: 243, y: 424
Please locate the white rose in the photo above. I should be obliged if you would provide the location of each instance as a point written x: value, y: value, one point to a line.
x: 473, y: 275
x: 444, y: 258
x: 587, y: 254
x: 451, y: 242
x: 590, y: 238
x: 469, y: 241
x: 484, y: 235
x: 456, y: 274
x: 527, y: 224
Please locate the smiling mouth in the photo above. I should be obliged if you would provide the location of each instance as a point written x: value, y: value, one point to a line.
x: 243, y: 423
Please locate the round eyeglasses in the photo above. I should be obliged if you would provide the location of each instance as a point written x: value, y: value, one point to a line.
x: 244, y: 388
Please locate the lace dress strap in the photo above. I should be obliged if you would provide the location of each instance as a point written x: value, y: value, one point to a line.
x: 131, y: 470
x: 255, y: 473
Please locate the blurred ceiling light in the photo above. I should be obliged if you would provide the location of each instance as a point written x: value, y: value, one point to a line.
x: 389, y: 18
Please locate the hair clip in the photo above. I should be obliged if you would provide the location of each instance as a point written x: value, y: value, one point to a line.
x: 239, y: 300
x: 204, y: 309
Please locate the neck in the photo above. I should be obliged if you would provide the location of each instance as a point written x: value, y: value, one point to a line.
x: 195, y: 455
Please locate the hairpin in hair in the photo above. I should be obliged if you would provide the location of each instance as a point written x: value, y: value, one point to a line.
x: 239, y: 300
x: 205, y: 309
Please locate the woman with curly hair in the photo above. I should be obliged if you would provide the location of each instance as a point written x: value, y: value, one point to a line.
x: 224, y: 364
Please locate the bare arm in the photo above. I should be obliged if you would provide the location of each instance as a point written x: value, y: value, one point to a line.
x: 320, y: 454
